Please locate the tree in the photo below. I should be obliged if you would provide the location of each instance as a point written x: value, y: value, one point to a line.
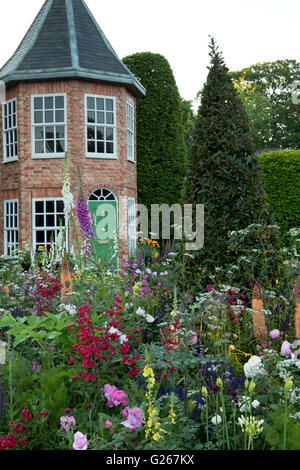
x: 161, y: 150
x: 259, y: 112
x: 224, y: 173
x: 273, y: 82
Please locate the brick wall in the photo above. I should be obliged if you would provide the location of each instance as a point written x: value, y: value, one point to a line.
x: 38, y: 178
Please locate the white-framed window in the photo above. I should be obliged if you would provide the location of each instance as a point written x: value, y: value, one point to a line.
x: 47, y: 219
x: 130, y: 131
x: 131, y: 225
x: 49, y: 125
x: 11, y: 227
x: 10, y: 131
x: 101, y: 126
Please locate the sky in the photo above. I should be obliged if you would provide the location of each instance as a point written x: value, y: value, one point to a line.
x: 247, y: 32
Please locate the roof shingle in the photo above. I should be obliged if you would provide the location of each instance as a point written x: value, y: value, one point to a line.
x: 66, y: 41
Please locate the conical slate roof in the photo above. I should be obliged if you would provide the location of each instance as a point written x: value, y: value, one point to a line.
x: 65, y: 41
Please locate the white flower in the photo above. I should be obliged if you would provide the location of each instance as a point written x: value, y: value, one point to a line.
x: 113, y: 330
x: 255, y: 403
x: 216, y: 419
x: 71, y: 309
x: 140, y: 312
x: 138, y: 271
x: 122, y: 339
x: 148, y: 270
x: 149, y: 318
x: 253, y: 367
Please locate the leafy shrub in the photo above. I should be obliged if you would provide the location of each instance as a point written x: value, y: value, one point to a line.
x: 282, y: 182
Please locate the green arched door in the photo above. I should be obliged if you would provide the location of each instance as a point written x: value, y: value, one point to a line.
x: 104, y: 209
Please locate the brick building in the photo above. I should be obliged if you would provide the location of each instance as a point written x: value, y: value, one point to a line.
x: 66, y: 90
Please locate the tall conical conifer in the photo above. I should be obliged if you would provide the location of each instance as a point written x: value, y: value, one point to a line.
x: 224, y: 173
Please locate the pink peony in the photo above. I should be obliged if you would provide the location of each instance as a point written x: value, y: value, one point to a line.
x: 286, y: 349
x: 114, y: 396
x: 193, y: 338
x: 80, y: 441
x: 120, y: 397
x: 134, y: 419
x: 65, y: 421
x: 275, y: 334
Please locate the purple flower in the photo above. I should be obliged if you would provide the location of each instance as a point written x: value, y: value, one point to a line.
x: 275, y: 334
x: 66, y: 421
x: 35, y: 365
x: 134, y: 419
x: 85, y: 221
x: 286, y: 349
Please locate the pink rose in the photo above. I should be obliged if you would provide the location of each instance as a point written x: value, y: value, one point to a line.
x: 275, y: 334
x: 134, y: 419
x: 194, y: 338
x: 286, y: 349
x: 114, y: 396
x: 66, y: 421
x: 108, y: 424
x: 80, y: 441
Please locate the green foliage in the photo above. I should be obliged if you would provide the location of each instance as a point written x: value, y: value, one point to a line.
x: 273, y: 431
x: 161, y: 151
x: 224, y: 173
x: 282, y: 182
x: 273, y: 87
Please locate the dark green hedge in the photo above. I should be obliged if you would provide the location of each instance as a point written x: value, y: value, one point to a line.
x: 161, y: 150
x: 282, y: 182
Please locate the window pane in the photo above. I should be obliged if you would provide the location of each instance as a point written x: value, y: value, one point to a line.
x: 50, y: 236
x: 100, y: 104
x: 50, y: 221
x: 60, y: 146
x: 109, y: 147
x: 91, y: 133
x: 49, y: 146
x: 100, y: 147
x: 109, y: 118
x: 59, y: 116
x: 90, y: 103
x: 109, y: 104
x: 39, y: 132
x: 38, y: 103
x: 39, y: 221
x: 49, y: 132
x: 100, y: 133
x: 59, y: 102
x: 91, y: 146
x: 59, y: 206
x: 60, y: 132
x: 38, y: 117
x: 60, y: 219
x: 49, y: 206
x: 100, y: 117
x: 39, y: 207
x: 109, y: 133
x: 91, y: 116
x: 49, y: 116
x: 40, y: 236
x: 39, y: 147
x: 49, y: 102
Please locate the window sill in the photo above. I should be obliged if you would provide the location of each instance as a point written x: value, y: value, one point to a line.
x: 100, y: 156
x: 14, y: 159
x: 47, y: 157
